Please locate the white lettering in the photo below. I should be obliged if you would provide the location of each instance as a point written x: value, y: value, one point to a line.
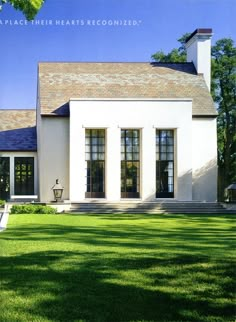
x: 73, y: 22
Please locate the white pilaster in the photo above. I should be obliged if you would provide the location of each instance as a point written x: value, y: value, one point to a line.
x: 113, y: 166
x: 148, y: 164
x: 77, y: 162
x: 12, y: 175
x: 184, y: 162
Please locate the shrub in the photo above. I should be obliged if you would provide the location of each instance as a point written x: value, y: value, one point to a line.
x: 46, y: 210
x: 2, y: 203
x: 32, y: 209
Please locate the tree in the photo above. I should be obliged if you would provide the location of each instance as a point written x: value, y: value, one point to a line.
x: 177, y: 55
x: 29, y: 7
x: 224, y: 94
x: 223, y: 90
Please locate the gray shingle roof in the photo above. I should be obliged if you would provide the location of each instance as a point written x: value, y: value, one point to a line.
x: 18, y: 130
x: 58, y: 82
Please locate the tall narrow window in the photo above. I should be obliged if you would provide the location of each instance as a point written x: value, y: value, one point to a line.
x: 95, y: 163
x: 24, y: 175
x: 164, y: 163
x: 4, y: 178
x: 130, y: 164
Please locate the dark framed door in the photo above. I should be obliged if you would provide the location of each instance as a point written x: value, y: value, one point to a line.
x: 130, y: 163
x: 4, y: 178
x: 95, y: 163
x: 24, y: 175
x: 164, y: 163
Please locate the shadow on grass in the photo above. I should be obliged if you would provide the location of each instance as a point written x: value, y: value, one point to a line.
x: 197, y: 233
x: 90, y: 288
x: 135, y: 271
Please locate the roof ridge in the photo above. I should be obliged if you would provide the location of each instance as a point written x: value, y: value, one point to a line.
x: 109, y: 62
x: 17, y: 109
x: 61, y: 81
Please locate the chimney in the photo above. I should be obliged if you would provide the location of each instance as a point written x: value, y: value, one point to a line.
x: 198, y: 46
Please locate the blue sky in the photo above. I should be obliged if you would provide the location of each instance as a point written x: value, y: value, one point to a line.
x: 98, y: 30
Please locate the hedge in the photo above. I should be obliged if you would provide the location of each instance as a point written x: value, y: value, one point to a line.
x: 32, y: 209
x: 2, y: 203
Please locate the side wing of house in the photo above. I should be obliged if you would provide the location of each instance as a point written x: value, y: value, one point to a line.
x: 18, y: 154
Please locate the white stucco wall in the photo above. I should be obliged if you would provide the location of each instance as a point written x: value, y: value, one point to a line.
x: 38, y: 131
x: 14, y: 154
x: 53, y: 149
x: 114, y: 115
x: 204, y: 151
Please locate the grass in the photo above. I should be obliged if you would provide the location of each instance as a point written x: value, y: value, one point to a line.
x: 117, y: 268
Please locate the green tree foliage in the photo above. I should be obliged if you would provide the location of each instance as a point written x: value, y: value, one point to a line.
x: 223, y: 90
x: 224, y: 94
x: 29, y: 7
x: 177, y: 55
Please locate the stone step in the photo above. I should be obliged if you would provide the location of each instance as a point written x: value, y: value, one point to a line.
x: 147, y: 205
x: 150, y: 208
x: 186, y: 211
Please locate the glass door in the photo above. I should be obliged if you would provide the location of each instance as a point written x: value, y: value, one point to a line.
x: 4, y: 178
x: 95, y: 163
x: 164, y: 164
x: 130, y: 164
x: 24, y: 175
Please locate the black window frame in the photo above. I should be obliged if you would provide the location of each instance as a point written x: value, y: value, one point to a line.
x: 130, y: 163
x: 95, y: 155
x: 165, y: 163
x: 24, y: 175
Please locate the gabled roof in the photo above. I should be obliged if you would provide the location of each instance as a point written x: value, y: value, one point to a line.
x: 18, y: 130
x: 58, y: 82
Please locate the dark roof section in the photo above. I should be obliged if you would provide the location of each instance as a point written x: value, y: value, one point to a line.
x: 58, y: 82
x: 199, y: 31
x: 18, y: 130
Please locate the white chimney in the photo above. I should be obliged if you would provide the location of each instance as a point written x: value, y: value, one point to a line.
x: 198, y: 46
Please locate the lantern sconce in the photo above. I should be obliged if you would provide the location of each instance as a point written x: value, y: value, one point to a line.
x: 231, y: 193
x: 57, y: 191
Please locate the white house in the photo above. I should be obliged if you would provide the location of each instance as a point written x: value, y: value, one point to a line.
x: 116, y: 131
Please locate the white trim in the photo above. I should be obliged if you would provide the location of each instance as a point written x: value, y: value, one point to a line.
x: 197, y: 36
x: 131, y: 99
x: 24, y: 197
x: 94, y: 127
x: 159, y: 127
x: 125, y: 127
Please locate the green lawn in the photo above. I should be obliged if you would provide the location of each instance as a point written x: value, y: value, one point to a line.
x: 117, y: 268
